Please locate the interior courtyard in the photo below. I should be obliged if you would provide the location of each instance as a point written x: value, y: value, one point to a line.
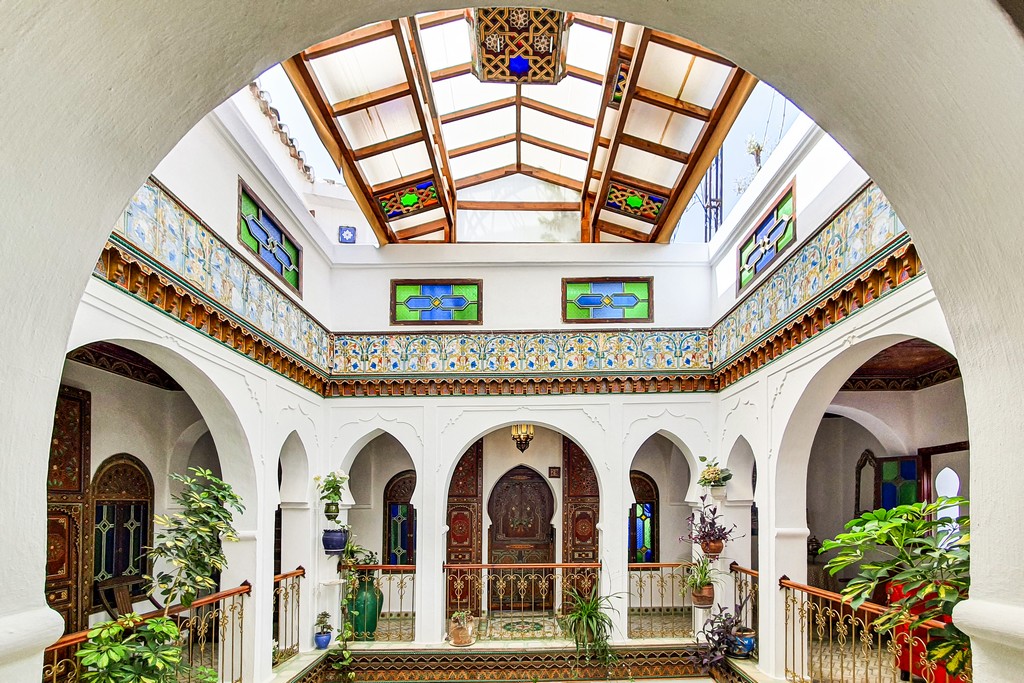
x: 521, y: 276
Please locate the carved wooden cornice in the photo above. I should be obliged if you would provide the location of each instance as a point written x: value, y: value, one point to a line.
x: 144, y: 281
x: 929, y: 379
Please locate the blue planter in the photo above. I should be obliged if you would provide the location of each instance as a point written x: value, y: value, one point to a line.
x: 322, y: 640
x: 742, y: 644
x: 335, y: 541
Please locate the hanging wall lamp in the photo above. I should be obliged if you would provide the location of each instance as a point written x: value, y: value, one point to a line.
x: 522, y: 435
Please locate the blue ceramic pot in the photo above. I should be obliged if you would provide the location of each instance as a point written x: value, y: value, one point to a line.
x: 322, y: 640
x: 335, y: 541
x: 742, y: 643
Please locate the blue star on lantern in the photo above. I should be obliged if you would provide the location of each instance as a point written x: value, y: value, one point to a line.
x: 519, y: 65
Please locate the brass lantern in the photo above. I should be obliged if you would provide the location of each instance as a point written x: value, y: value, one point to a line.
x: 522, y: 435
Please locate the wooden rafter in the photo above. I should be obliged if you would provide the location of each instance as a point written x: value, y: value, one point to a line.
x: 643, y: 185
x: 557, y: 112
x: 466, y: 205
x: 586, y: 233
x: 677, y: 43
x: 655, y: 148
x: 584, y: 74
x: 485, y: 177
x: 727, y: 107
x: 622, y: 231
x: 635, y: 65
x: 428, y: 228
x: 447, y: 16
x: 404, y: 182
x: 552, y: 146
x: 593, y: 21
x: 361, y: 36
x: 657, y: 99
x: 314, y: 101
x: 451, y: 72
x: 370, y: 99
x: 482, y: 145
x: 550, y: 177
x: 485, y: 108
x: 387, y: 146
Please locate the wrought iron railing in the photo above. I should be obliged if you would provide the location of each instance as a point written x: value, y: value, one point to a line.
x: 659, y: 602
x: 381, y: 608
x: 827, y: 641
x: 287, y: 602
x: 212, y: 634
x: 517, y: 601
x: 745, y: 595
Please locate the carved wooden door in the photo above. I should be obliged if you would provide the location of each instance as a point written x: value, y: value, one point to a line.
x: 521, y: 507
x: 465, y: 532
x: 69, y: 517
x: 580, y: 505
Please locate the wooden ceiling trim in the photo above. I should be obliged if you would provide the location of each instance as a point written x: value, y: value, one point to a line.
x: 635, y: 66
x: 622, y: 231
x: 371, y: 99
x: 728, y: 106
x: 484, y: 177
x: 314, y: 101
x: 428, y: 228
x: 551, y: 177
x: 684, y: 45
x: 553, y: 146
x: 485, y: 108
x: 402, y: 183
x: 451, y: 72
x: 387, y: 146
x: 421, y: 117
x: 593, y: 21
x: 584, y: 74
x: 361, y: 36
x: 557, y: 112
x: 519, y: 126
x: 655, y: 148
x: 663, y: 101
x: 467, y: 205
x: 644, y: 185
x: 482, y: 145
x: 441, y: 18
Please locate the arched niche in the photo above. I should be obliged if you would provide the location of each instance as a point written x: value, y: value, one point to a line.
x: 376, y: 464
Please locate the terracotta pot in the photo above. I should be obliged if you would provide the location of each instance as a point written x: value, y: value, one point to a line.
x: 461, y: 635
x: 712, y: 548
x: 704, y: 596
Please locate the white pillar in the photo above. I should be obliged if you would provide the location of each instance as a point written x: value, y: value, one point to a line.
x: 297, y: 550
x: 430, y: 598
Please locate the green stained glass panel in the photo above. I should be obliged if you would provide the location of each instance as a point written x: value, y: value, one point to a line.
x: 908, y: 492
x: 890, y: 470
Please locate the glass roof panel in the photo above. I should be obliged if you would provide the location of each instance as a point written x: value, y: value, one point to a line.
x: 640, y: 164
x: 360, y: 70
x: 416, y: 219
x: 682, y: 131
x: 466, y: 91
x: 519, y: 226
x: 445, y: 45
x: 484, y: 160
x: 554, y: 161
x: 520, y: 188
x: 705, y: 82
x: 664, y: 69
x: 588, y: 48
x: 557, y: 130
x: 398, y: 164
x: 647, y: 121
x: 477, y: 128
x: 572, y: 94
x: 383, y: 122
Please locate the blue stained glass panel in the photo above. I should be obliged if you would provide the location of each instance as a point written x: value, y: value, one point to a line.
x: 908, y: 469
x: 890, y: 496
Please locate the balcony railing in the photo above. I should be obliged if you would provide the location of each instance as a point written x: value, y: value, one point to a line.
x: 384, y: 595
x: 212, y: 633
x: 659, y: 603
x: 517, y: 601
x: 287, y: 602
x: 746, y: 596
x: 827, y: 641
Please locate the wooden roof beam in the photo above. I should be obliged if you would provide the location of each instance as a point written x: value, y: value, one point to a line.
x: 485, y: 108
x: 465, y: 205
x: 584, y: 74
x: 387, y: 146
x: 482, y: 145
x: 371, y: 99
x: 654, y: 148
x: 558, y: 112
x: 485, y: 177
x: 622, y: 231
x: 553, y: 146
x: 361, y: 36
x: 549, y: 177
x: 593, y: 21
x: 642, y: 185
x: 441, y: 18
x: 662, y: 101
x: 451, y: 72
x: 678, y: 43
x: 314, y: 101
x: 427, y: 228
x: 404, y: 182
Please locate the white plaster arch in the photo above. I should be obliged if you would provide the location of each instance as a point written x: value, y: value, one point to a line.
x: 741, y: 461
x: 352, y: 437
x: 295, y: 478
x: 183, y: 445
x: 683, y: 436
x: 892, y: 440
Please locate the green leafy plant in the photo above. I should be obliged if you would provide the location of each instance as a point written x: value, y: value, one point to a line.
x: 927, y: 556
x: 331, y: 485
x: 354, y: 555
x: 323, y: 623
x: 713, y: 474
x: 130, y: 650
x: 590, y: 625
x: 702, y: 573
x: 720, y: 632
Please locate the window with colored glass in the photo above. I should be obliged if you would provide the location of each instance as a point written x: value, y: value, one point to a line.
x: 400, y: 520
x: 643, y: 519
x: 264, y: 235
x: 773, y: 234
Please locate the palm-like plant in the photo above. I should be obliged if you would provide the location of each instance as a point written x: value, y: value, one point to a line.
x: 590, y: 625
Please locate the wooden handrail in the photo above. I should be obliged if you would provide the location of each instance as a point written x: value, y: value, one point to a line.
x: 406, y: 568
x: 734, y: 567
x: 582, y: 565
x: 658, y: 565
x: 298, y: 571
x: 869, y: 607
x: 82, y: 636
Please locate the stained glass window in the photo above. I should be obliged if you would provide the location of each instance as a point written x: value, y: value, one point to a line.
x: 900, y: 482
x: 400, y: 519
x: 643, y: 519
x: 607, y: 300
x: 123, y: 495
x: 775, y: 231
x: 261, y: 232
x: 518, y: 45
x: 452, y: 302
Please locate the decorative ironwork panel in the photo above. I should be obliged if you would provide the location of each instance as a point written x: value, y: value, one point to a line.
x: 775, y: 231
x: 446, y: 302
x: 518, y: 45
x: 409, y: 200
x: 607, y: 300
x: 635, y: 203
x: 265, y: 236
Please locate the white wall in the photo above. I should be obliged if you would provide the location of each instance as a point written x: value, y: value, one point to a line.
x: 661, y: 460
x: 376, y: 464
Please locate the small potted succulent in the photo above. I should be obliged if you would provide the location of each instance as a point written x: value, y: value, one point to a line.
x: 331, y: 487
x: 707, y: 530
x: 713, y: 476
x: 701, y: 581
x: 322, y: 636
x: 461, y: 626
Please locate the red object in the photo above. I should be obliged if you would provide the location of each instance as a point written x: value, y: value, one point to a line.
x: 911, y: 662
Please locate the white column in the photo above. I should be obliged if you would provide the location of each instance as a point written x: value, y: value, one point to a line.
x: 297, y: 550
x: 429, y: 602
x: 251, y: 641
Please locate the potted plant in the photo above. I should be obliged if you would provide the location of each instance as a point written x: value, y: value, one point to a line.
x: 590, y: 625
x: 701, y: 581
x: 331, y: 487
x: 190, y: 547
x: 725, y: 636
x: 461, y: 627
x: 713, y: 476
x: 925, y: 559
x: 364, y: 599
x: 322, y: 635
x: 707, y: 530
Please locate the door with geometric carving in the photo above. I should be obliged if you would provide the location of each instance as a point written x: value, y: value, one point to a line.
x: 465, y: 532
x: 521, y: 507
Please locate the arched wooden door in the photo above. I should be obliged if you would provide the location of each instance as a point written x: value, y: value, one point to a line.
x: 521, y: 507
